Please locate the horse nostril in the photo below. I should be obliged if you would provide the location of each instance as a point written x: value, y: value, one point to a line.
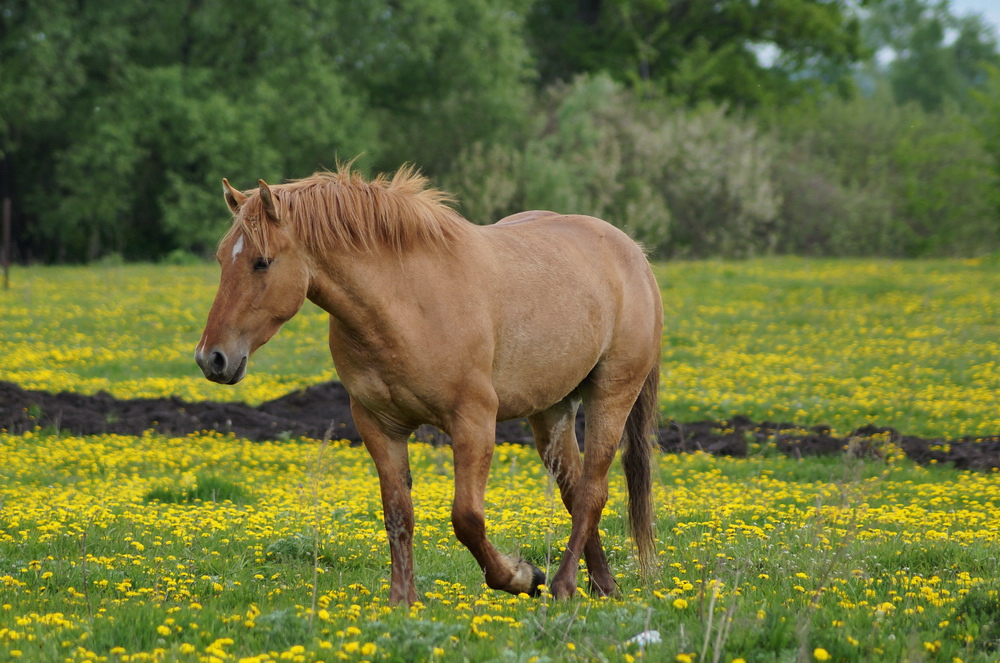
x: 218, y: 362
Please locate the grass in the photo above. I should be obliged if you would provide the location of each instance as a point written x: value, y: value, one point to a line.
x: 760, y: 559
x: 912, y: 345
x: 210, y: 548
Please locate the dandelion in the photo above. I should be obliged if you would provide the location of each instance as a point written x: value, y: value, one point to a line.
x: 821, y: 654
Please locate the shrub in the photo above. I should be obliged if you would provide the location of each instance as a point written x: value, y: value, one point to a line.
x: 683, y: 182
x: 866, y: 176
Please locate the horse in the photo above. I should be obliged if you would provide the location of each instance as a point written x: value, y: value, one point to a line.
x: 436, y: 320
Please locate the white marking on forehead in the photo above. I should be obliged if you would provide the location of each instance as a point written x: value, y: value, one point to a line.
x: 238, y: 247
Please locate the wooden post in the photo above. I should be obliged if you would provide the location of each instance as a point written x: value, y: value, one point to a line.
x: 6, y: 243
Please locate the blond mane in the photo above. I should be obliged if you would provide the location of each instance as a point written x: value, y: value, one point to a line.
x: 342, y: 211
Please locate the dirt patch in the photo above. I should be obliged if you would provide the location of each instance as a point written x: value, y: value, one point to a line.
x: 323, y: 408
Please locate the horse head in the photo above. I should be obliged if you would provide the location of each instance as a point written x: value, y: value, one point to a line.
x: 264, y: 282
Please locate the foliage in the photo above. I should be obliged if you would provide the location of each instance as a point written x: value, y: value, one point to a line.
x: 154, y: 104
x: 988, y: 125
x: 686, y: 122
x: 867, y: 176
x: 683, y: 182
x: 438, y: 74
x: 700, y: 51
x: 935, y: 56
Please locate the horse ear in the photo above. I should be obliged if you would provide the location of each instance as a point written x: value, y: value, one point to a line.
x: 267, y: 200
x: 233, y: 197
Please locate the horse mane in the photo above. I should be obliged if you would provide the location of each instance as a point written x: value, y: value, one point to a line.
x: 341, y: 210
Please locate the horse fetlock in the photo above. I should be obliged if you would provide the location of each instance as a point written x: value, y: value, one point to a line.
x: 520, y: 577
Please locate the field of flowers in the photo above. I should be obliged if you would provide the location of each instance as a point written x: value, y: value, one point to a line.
x: 209, y: 548
x: 913, y: 345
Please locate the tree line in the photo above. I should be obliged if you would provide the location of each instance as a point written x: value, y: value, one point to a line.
x: 728, y: 128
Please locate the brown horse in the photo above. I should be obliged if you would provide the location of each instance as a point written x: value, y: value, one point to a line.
x: 436, y: 320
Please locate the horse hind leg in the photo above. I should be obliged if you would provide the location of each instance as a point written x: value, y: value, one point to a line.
x: 609, y: 396
x: 473, y: 439
x: 555, y: 439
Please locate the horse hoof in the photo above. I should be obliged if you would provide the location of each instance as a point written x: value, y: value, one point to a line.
x: 562, y: 591
x: 598, y: 589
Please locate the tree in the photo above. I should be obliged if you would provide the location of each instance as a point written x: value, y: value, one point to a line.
x: 119, y: 119
x: 933, y: 56
x: 989, y: 130
x: 684, y: 182
x: 870, y: 176
x: 701, y: 50
x: 438, y: 74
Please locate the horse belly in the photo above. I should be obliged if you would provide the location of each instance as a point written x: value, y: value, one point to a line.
x: 545, y: 366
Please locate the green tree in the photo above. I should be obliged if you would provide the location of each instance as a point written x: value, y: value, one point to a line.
x: 932, y: 55
x: 870, y: 176
x: 988, y: 124
x: 438, y: 74
x: 701, y: 50
x: 125, y: 115
x: 119, y: 119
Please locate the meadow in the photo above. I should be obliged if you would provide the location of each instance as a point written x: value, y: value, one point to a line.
x: 913, y: 345
x: 210, y: 548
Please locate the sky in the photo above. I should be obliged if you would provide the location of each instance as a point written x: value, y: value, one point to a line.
x: 989, y: 9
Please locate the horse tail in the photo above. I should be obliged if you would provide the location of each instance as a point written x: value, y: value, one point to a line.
x: 637, y: 446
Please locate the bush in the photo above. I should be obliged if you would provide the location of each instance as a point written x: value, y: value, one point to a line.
x: 691, y: 183
x: 868, y: 177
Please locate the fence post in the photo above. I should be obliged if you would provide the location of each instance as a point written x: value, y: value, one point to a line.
x: 6, y: 243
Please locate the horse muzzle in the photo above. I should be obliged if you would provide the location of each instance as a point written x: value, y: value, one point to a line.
x: 218, y: 367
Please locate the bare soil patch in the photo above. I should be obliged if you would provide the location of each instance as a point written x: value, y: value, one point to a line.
x: 314, y: 411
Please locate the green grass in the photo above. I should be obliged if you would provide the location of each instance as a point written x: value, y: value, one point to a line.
x: 185, y: 549
x: 912, y: 345
x: 206, y: 488
x: 768, y: 558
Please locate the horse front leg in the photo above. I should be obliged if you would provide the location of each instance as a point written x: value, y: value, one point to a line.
x: 389, y: 451
x: 472, y: 444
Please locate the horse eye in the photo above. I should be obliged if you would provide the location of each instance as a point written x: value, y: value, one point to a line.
x: 260, y: 264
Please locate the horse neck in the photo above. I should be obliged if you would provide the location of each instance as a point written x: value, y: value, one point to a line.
x: 359, y: 289
x: 359, y: 286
